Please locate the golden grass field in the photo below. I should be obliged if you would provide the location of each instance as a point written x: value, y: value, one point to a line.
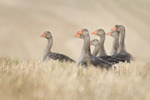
x: 23, y: 76
x: 21, y: 80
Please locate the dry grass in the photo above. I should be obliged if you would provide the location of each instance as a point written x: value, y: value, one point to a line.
x: 39, y: 80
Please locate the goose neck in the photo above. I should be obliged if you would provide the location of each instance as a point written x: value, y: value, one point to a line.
x: 48, y: 48
x: 115, y: 46
x: 96, y: 49
x: 122, y: 41
x: 102, y: 51
x: 86, y: 52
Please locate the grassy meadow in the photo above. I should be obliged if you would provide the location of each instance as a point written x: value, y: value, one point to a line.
x: 20, y: 80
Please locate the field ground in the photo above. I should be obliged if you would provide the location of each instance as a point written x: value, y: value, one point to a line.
x: 39, y: 80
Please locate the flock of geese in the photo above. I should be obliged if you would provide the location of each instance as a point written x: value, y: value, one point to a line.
x: 98, y: 58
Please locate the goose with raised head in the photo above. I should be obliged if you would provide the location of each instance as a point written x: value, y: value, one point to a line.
x: 96, y: 45
x: 101, y: 34
x: 115, y: 46
x: 51, y: 55
x: 102, y: 53
x: 86, y: 57
x: 122, y: 54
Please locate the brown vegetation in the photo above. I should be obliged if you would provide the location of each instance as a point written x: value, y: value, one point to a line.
x: 39, y: 80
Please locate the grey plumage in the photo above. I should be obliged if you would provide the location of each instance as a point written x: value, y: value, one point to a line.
x: 60, y: 57
x: 102, y: 53
x: 86, y: 57
x: 96, y: 45
x: 122, y: 54
x: 51, y: 55
x: 97, y: 62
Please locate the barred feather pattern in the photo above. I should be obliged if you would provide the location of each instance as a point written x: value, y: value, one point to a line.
x: 59, y: 57
x: 97, y: 62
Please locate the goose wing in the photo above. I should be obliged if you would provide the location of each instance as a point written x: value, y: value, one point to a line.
x: 60, y: 57
x: 97, y: 62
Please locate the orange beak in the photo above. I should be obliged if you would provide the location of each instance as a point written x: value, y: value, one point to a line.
x: 78, y: 35
x: 95, y: 32
x: 113, y: 29
x: 43, y: 35
x: 108, y: 33
x: 79, y: 32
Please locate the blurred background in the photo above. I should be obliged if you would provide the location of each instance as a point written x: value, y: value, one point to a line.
x: 23, y: 21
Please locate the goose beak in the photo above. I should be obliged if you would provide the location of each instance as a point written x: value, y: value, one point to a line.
x: 113, y: 29
x: 43, y: 35
x: 95, y: 32
x: 78, y: 35
x: 79, y: 32
x: 108, y: 33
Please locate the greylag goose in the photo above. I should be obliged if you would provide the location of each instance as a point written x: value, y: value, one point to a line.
x: 86, y: 57
x: 115, y: 46
x: 122, y: 54
x: 101, y: 34
x: 96, y: 45
x: 102, y: 53
x: 51, y: 55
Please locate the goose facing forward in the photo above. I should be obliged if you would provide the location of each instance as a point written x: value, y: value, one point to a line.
x: 86, y: 57
x: 51, y: 55
x: 96, y: 45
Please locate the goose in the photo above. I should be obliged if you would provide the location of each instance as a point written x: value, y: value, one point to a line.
x: 122, y: 54
x: 102, y: 53
x: 96, y: 44
x: 48, y: 54
x: 101, y: 34
x: 86, y: 57
x: 115, y: 46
